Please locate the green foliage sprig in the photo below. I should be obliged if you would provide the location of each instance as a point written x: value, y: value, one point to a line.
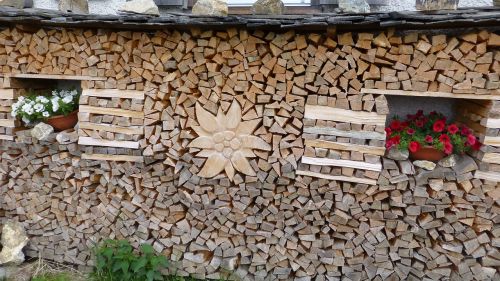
x: 116, y: 260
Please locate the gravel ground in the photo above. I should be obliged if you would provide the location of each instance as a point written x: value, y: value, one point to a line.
x: 111, y: 6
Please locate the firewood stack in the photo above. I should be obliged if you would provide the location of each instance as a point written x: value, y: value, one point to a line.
x: 114, y: 120
x: 266, y: 100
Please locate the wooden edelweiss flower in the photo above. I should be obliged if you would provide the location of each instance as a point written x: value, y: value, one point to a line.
x: 226, y: 141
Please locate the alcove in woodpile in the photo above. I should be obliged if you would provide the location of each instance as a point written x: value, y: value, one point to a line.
x: 478, y: 112
x: 15, y: 85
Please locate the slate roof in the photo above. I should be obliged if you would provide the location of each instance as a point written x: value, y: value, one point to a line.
x: 461, y: 18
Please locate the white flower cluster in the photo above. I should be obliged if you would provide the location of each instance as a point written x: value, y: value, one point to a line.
x: 31, y: 107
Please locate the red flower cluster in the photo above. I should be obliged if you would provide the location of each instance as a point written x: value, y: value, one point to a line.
x: 430, y: 130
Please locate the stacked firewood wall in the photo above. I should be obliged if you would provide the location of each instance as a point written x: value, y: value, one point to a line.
x: 253, y: 101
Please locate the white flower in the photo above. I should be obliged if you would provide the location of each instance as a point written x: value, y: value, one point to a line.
x: 13, y: 113
x: 67, y: 99
x: 55, y: 104
x: 26, y: 107
x: 26, y: 121
x: 74, y: 93
x: 39, y: 107
x: 45, y: 114
x: 20, y: 99
x: 29, y: 111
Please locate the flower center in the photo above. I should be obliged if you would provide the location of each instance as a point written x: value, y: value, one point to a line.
x: 228, y: 152
x: 235, y: 144
x: 219, y: 137
x: 219, y: 147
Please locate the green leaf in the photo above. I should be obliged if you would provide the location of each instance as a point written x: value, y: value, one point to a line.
x: 147, y: 249
x: 138, y: 264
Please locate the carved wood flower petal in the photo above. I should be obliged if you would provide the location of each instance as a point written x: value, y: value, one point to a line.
x: 226, y: 141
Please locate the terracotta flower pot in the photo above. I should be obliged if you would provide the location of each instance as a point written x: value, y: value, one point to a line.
x: 427, y: 153
x: 61, y: 122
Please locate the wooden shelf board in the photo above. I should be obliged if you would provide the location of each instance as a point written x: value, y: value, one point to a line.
x: 109, y: 157
x: 429, y: 94
x: 6, y: 137
x: 342, y: 163
x: 346, y: 146
x: 342, y: 115
x: 336, y: 178
x: 108, y: 143
x: 52, y: 76
x: 113, y: 93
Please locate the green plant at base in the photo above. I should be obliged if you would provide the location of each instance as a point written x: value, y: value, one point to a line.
x: 116, y: 260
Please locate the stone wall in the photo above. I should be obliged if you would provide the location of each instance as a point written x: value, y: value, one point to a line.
x: 261, y: 215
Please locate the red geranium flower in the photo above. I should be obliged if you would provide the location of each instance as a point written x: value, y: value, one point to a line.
x: 410, y: 131
x: 414, y: 146
x: 411, y: 116
x: 477, y: 145
x: 428, y: 139
x: 419, y: 123
x: 389, y: 144
x: 465, y: 131
x: 404, y: 124
x: 395, y: 125
x: 471, y: 139
x: 444, y: 138
x: 448, y: 148
x: 420, y: 112
x: 452, y: 129
x: 396, y: 139
x: 388, y: 131
x: 438, y: 126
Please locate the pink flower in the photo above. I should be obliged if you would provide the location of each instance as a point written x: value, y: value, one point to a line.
x: 410, y: 131
x: 388, y: 131
x: 438, y: 126
x: 428, y: 139
x: 448, y: 148
x: 452, y: 129
x: 395, y: 125
x: 414, y: 146
x: 419, y: 123
x: 444, y: 138
x: 471, y: 139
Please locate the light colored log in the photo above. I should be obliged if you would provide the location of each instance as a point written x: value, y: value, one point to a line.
x: 343, y: 115
x: 108, y: 143
x: 342, y: 163
x: 106, y: 157
x: 491, y: 158
x: 7, y: 94
x: 54, y: 76
x: 487, y: 140
x: 336, y: 178
x: 9, y: 123
x: 491, y: 176
x: 6, y: 137
x: 111, y: 111
x: 132, y: 130
x: 113, y: 93
x: 491, y: 123
x: 346, y: 146
x: 431, y: 94
x: 348, y: 134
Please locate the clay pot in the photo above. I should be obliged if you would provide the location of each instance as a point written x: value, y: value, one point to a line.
x: 427, y: 153
x: 61, y: 122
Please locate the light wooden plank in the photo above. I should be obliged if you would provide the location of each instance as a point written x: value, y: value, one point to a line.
x: 491, y: 123
x: 7, y: 94
x: 132, y: 130
x: 348, y: 134
x: 491, y: 157
x: 430, y: 94
x: 6, y: 137
x: 111, y: 111
x: 9, y: 123
x: 343, y: 115
x: 336, y: 178
x: 113, y: 93
x: 346, y: 146
x: 53, y: 76
x: 487, y: 140
x: 107, y: 157
x: 108, y: 143
x: 491, y: 176
x: 342, y: 163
